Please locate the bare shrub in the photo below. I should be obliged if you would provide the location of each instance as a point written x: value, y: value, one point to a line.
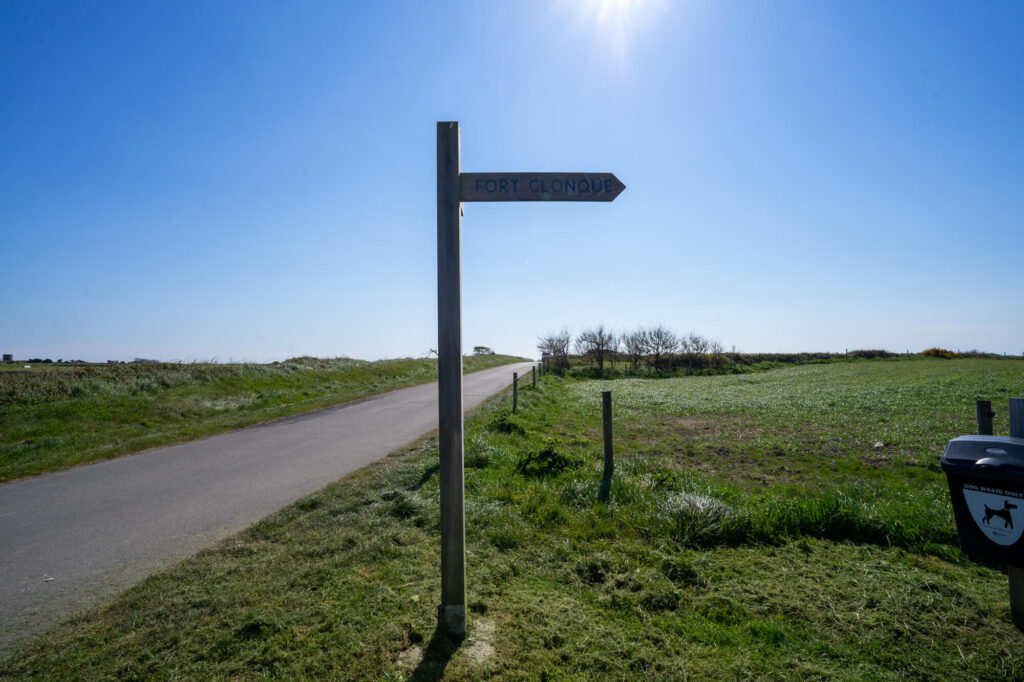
x: 715, y: 352
x: 597, y: 343
x: 661, y: 341
x: 556, y: 346
x: 694, y: 347
x: 635, y: 345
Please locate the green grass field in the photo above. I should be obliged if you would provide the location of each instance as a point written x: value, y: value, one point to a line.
x: 793, y: 524
x: 54, y: 416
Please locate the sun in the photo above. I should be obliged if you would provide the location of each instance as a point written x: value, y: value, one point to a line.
x: 617, y: 22
x: 616, y: 11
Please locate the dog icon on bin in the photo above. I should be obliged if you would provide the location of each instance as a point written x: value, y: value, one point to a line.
x: 1003, y: 513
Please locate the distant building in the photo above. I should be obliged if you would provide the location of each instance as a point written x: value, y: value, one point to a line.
x: 8, y: 357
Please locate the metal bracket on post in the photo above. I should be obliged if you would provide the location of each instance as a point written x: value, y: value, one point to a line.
x: 452, y: 612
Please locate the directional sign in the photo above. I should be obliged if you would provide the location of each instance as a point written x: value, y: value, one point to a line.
x: 539, y: 187
x: 454, y: 187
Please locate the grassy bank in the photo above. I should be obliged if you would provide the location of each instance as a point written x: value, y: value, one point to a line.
x: 56, y: 416
x: 791, y: 524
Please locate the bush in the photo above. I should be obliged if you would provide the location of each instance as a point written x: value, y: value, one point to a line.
x: 939, y: 353
x: 871, y: 354
x: 592, y: 372
x: 546, y: 461
x: 506, y: 423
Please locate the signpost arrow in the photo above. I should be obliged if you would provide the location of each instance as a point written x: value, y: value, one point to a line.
x: 453, y: 188
x: 539, y: 187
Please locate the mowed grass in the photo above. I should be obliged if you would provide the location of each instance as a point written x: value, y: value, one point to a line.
x: 738, y: 542
x: 57, y: 416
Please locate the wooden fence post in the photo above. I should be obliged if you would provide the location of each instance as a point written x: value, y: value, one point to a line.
x: 534, y: 371
x: 985, y: 414
x: 1016, y: 417
x: 1016, y: 573
x: 609, y: 459
x: 515, y: 392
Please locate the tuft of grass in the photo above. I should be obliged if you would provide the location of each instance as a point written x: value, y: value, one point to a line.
x: 545, y: 461
x: 503, y: 422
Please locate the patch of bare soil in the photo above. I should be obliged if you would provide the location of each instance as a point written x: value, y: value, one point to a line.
x: 712, y: 428
x: 411, y: 657
x: 479, y: 646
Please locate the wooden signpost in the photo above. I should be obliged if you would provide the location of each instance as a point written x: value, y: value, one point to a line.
x: 539, y: 186
x: 453, y: 188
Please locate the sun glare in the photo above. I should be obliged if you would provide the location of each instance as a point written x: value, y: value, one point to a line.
x: 616, y: 23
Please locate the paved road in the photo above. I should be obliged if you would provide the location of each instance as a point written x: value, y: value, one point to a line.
x: 72, y: 538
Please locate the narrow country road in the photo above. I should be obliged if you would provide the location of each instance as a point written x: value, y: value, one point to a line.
x: 72, y: 538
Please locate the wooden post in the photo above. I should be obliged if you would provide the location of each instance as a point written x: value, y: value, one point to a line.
x: 515, y: 392
x: 452, y: 611
x: 1016, y: 573
x: 534, y: 371
x: 1016, y: 417
x: 453, y: 189
x: 609, y: 460
x: 985, y: 414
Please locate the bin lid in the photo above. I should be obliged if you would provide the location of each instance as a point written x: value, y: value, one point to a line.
x: 988, y: 457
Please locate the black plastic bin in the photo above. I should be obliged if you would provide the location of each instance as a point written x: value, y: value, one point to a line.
x: 986, y: 482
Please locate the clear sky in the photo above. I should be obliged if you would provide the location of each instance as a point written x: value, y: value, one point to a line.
x: 228, y: 180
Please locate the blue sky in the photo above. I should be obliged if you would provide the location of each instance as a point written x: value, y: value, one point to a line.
x: 197, y: 180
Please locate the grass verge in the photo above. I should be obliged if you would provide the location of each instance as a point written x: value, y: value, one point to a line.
x: 57, y: 416
x: 832, y: 572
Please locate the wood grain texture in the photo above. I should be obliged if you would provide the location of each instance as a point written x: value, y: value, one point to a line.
x: 449, y: 374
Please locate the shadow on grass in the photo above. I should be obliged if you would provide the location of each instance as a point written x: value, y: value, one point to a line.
x: 435, y: 659
x: 428, y: 474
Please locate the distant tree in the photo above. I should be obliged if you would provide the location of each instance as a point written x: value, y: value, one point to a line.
x: 482, y: 350
x: 597, y: 343
x: 635, y: 345
x: 694, y: 347
x: 660, y: 341
x: 715, y: 351
x: 556, y: 346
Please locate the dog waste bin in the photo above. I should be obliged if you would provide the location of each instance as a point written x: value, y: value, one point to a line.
x: 986, y: 482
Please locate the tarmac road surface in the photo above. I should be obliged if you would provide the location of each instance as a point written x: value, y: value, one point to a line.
x: 70, y: 539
